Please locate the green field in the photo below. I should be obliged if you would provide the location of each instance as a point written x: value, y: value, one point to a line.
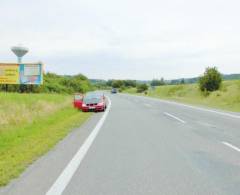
x: 31, y: 124
x: 227, y: 98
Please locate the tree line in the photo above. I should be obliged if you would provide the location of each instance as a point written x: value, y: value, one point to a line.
x: 210, y: 81
x: 54, y: 83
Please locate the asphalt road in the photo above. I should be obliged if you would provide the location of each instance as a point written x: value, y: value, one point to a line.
x: 144, y: 146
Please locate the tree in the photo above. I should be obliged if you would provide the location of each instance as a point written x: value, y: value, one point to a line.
x: 109, y: 82
x: 156, y: 82
x: 117, y: 83
x: 211, y: 80
x: 182, y: 81
x: 142, y: 87
x: 54, y: 83
x: 130, y: 83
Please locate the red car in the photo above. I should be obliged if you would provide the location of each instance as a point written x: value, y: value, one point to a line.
x: 77, y: 102
x: 94, y: 102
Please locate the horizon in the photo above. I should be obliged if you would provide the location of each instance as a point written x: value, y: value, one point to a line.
x: 146, y: 79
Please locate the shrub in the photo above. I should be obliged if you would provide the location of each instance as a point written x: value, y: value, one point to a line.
x: 122, y: 88
x: 117, y: 83
x: 141, y: 88
x: 54, y: 83
x: 130, y: 83
x: 211, y: 80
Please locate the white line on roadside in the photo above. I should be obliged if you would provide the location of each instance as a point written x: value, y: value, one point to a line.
x: 172, y: 116
x: 66, y: 175
x: 148, y: 105
x: 189, y: 106
x: 231, y: 146
x: 203, y: 109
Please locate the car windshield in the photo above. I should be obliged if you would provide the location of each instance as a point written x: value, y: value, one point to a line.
x: 92, y: 98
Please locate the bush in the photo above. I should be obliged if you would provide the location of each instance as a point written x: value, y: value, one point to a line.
x: 130, y: 83
x: 121, y: 83
x: 121, y: 89
x: 211, y: 80
x: 117, y: 83
x: 141, y: 88
x: 54, y: 83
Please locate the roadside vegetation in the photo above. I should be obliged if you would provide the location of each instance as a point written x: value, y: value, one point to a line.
x: 226, y: 98
x: 125, y: 85
x: 54, y: 83
x: 210, y: 91
x: 31, y: 124
x: 142, y: 88
x: 211, y: 80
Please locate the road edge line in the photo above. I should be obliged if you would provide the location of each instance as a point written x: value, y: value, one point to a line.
x: 66, y: 175
x: 174, y: 117
x: 231, y: 146
x: 219, y: 112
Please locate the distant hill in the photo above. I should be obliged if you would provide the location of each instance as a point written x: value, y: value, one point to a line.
x: 173, y: 81
x: 185, y: 80
x: 231, y: 77
x: 97, y: 81
x: 195, y: 79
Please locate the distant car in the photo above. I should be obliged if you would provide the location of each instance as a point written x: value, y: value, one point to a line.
x: 94, y: 102
x: 78, y: 99
x: 114, y: 90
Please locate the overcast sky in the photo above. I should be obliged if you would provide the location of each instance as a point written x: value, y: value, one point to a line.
x: 124, y: 39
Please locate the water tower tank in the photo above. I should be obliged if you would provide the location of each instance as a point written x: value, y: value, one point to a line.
x: 19, y: 51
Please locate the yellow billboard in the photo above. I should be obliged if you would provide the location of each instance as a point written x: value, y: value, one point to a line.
x: 9, y: 73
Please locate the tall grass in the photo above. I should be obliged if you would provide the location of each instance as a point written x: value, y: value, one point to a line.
x: 227, y: 98
x: 30, y: 124
x: 17, y: 109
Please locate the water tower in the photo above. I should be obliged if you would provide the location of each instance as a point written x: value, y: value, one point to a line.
x: 19, y: 51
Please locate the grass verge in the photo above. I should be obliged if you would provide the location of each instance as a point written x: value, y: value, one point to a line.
x: 22, y: 143
x: 227, y: 98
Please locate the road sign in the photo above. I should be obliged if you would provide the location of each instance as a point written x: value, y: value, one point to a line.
x: 21, y: 73
x: 9, y: 74
x: 31, y: 74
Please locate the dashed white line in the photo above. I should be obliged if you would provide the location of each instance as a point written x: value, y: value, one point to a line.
x: 67, y: 174
x: 174, y: 117
x: 231, y: 146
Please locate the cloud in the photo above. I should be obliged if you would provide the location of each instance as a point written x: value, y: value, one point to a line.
x: 124, y: 39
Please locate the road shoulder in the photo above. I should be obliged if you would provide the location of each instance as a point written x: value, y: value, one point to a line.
x: 38, y: 177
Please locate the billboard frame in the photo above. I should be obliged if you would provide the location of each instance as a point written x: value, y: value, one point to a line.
x: 21, y: 78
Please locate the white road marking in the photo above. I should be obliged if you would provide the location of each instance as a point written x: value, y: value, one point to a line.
x: 206, y: 124
x: 66, y: 175
x: 231, y: 146
x: 189, y: 106
x: 148, y: 105
x: 174, y: 117
x: 205, y: 109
